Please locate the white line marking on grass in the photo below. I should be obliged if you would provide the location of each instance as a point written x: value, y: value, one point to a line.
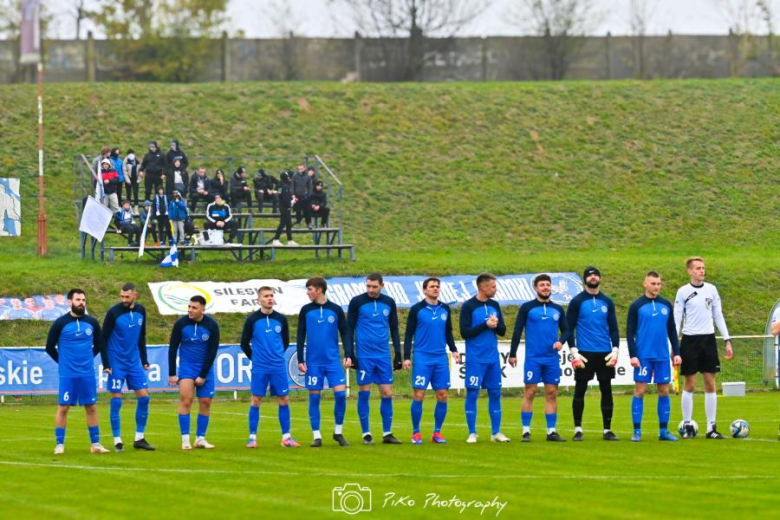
x: 380, y: 475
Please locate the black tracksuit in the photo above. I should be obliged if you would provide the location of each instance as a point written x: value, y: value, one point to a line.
x: 153, y: 167
x: 263, y: 183
x: 285, y: 209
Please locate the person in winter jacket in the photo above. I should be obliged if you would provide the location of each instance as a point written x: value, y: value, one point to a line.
x: 200, y: 189
x: 130, y: 171
x: 176, y: 178
x: 151, y: 224
x: 302, y: 186
x: 126, y: 223
x: 160, y: 214
x: 116, y: 160
x: 317, y: 205
x: 286, y: 202
x: 110, y: 182
x: 219, y: 184
x: 240, y: 192
x: 177, y: 213
x: 152, y: 168
x: 219, y: 216
x: 266, y: 190
x: 175, y: 153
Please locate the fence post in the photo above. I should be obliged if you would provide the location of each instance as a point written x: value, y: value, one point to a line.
x: 608, y: 55
x: 484, y: 59
x: 89, y: 57
x: 225, y: 57
x: 358, y: 51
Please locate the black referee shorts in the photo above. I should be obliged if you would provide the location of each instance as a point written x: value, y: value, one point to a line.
x: 699, y: 354
x: 596, y: 366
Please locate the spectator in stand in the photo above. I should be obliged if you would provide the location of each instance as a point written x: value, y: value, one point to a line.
x: 286, y: 199
x: 130, y: 170
x: 146, y: 211
x: 127, y: 225
x: 175, y: 154
x: 302, y: 188
x: 110, y: 182
x: 160, y: 213
x: 318, y: 205
x: 118, y: 163
x: 312, y: 173
x: 219, y: 216
x: 200, y: 188
x: 152, y: 167
x: 105, y: 153
x: 177, y: 212
x: 266, y: 190
x: 240, y: 192
x: 219, y: 184
x: 177, y: 178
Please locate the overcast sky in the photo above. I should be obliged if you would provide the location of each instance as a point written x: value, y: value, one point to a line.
x: 328, y: 18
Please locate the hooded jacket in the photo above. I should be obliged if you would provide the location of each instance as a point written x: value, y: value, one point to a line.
x: 264, y: 182
x: 237, y: 185
x: 177, y: 210
x: 172, y: 155
x: 153, y: 164
x: 194, y: 184
x: 302, y: 185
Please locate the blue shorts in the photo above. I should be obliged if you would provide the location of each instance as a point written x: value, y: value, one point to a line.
x: 544, y: 370
x: 374, y: 370
x: 657, y: 371
x: 76, y: 391
x: 277, y: 380
x: 316, y: 374
x: 135, y: 377
x: 436, y: 374
x: 483, y: 375
x: 192, y: 372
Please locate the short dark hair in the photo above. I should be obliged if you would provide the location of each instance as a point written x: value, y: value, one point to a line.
x: 375, y: 277
x: 317, y: 282
x: 75, y: 291
x: 264, y: 289
x: 542, y: 278
x: 429, y: 280
x: 198, y: 299
x: 485, y: 277
x: 652, y: 274
x: 129, y: 286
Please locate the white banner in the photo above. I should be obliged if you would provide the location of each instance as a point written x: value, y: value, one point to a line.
x: 95, y: 219
x: 513, y: 377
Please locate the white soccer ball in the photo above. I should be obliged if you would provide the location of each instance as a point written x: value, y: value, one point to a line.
x: 740, y: 429
x: 681, y: 427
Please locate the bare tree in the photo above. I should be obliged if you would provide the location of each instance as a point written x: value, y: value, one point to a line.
x: 768, y: 11
x: 740, y: 15
x: 414, y: 20
x: 283, y: 17
x: 640, y: 13
x: 561, y: 23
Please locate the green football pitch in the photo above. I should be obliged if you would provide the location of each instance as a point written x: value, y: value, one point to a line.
x: 592, y: 479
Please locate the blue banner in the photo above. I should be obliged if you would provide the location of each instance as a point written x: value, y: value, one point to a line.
x: 32, y: 371
x: 513, y: 289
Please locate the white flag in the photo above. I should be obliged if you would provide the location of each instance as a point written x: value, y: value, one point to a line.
x: 95, y: 219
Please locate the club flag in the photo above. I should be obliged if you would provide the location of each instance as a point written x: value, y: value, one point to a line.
x: 30, y: 32
x: 171, y: 259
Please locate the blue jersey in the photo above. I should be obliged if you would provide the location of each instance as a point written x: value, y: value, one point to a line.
x: 592, y: 318
x: 430, y: 327
x: 650, y: 328
x: 199, y: 342
x: 542, y: 322
x: 372, y: 321
x: 481, y: 341
x: 124, y: 334
x: 319, y: 327
x: 77, y: 341
x: 264, y: 340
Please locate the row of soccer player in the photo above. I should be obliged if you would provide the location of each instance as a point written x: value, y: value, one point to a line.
x: 366, y: 331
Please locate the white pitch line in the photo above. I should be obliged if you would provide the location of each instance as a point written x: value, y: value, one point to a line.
x: 381, y: 475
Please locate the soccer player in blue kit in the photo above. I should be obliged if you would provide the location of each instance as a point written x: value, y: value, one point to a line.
x: 372, y: 318
x: 542, y: 320
x: 481, y: 322
x: 74, y: 340
x: 430, y: 326
x: 124, y: 335
x: 650, y: 329
x: 319, y: 325
x: 197, y: 335
x: 264, y: 340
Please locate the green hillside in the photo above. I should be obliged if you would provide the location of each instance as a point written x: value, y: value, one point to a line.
x: 443, y: 178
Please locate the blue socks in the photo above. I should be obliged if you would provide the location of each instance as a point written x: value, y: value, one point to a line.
x: 637, y: 410
x: 284, y: 418
x: 59, y: 434
x: 416, y: 415
x: 552, y: 420
x: 471, y: 409
x: 203, y: 424
x: 184, y: 424
x: 494, y: 404
x: 94, y: 434
x: 314, y: 411
x: 664, y: 411
x: 439, y: 413
x: 525, y: 418
x: 254, y: 419
x: 141, y: 414
x: 340, y: 408
x: 363, y: 409
x: 386, y: 410
x: 116, y: 421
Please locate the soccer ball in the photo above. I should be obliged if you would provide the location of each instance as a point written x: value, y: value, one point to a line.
x: 740, y: 429
x: 681, y: 427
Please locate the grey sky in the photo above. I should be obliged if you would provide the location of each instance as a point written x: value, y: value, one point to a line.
x: 326, y: 18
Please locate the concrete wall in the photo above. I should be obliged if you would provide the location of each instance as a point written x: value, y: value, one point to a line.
x: 451, y: 59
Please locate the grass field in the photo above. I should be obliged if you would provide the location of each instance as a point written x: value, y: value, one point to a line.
x: 594, y: 479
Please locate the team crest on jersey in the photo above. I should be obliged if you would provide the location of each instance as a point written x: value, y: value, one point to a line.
x: 89, y: 332
x: 140, y: 321
x: 205, y: 337
x: 444, y: 315
x: 709, y: 303
x: 664, y: 311
x: 603, y: 308
x: 556, y: 316
x: 278, y: 329
x: 386, y: 312
x: 331, y: 319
